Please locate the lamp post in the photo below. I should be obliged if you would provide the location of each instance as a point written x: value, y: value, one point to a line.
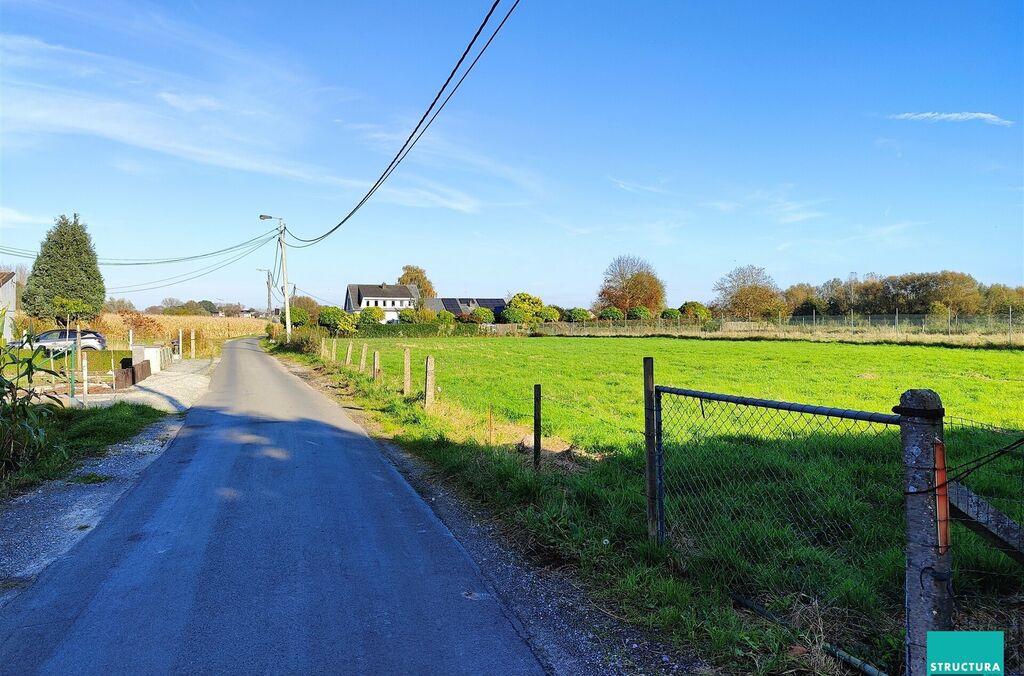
x: 284, y: 274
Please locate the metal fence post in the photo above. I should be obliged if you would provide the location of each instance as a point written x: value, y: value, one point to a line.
x: 928, y: 579
x: 659, y: 453
x: 536, y: 427
x: 650, y: 442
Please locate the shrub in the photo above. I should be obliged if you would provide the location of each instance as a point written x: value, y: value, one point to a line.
x: 512, y: 315
x: 299, y: 316
x: 445, y: 317
x: 549, y: 314
x: 692, y: 309
x: 424, y: 315
x: 371, y: 315
x: 485, y: 315
x: 612, y: 313
x: 671, y: 313
x: 337, y: 321
x: 305, y: 339
x: 577, y: 314
x: 407, y: 316
x: 561, y: 312
x: 639, y: 312
x: 418, y: 330
x: 467, y: 318
x: 23, y: 410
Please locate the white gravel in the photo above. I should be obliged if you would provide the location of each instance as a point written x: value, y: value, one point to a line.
x: 174, y: 389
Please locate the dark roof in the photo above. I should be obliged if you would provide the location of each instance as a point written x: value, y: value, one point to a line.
x: 459, y: 306
x: 359, y: 291
x: 6, y: 277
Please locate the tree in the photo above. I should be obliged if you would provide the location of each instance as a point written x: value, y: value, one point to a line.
x: 311, y: 307
x: 231, y: 309
x: 66, y: 267
x: 638, y: 312
x: 549, y: 314
x: 371, y: 315
x: 485, y: 315
x: 424, y: 315
x: 739, y: 279
x: 445, y: 317
x: 299, y: 316
x: 577, y: 314
x: 526, y: 303
x: 612, y: 313
x: 671, y: 314
x: 630, y: 282
x: 407, y: 316
x: 118, y: 305
x: 71, y: 309
x: 337, y: 321
x: 412, y: 274
x: 695, y: 310
x: 958, y: 291
x: 802, y: 299
x: 207, y: 305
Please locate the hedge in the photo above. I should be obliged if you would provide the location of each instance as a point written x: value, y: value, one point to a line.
x: 417, y: 330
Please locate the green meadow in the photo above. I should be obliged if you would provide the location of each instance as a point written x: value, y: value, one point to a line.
x: 803, y: 519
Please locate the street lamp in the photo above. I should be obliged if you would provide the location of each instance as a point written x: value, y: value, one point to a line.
x: 284, y: 273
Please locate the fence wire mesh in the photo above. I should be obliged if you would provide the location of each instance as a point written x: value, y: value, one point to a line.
x: 986, y: 486
x: 799, y: 512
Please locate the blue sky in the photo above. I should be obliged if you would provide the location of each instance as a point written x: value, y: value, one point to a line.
x: 814, y: 139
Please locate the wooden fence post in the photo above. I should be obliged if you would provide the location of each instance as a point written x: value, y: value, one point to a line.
x: 323, y: 347
x: 650, y: 443
x: 376, y: 366
x: 407, y: 373
x: 334, y: 349
x: 362, y: 360
x: 536, y: 427
x: 348, y: 355
x: 428, y: 384
x: 181, y: 343
x: 928, y: 579
x: 192, y: 345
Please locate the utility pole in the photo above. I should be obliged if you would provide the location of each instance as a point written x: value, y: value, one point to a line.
x: 284, y: 274
x: 270, y: 285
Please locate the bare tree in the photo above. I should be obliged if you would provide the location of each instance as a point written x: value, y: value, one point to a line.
x: 748, y: 291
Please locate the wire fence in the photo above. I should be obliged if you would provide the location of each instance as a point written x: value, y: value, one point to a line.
x: 802, y: 510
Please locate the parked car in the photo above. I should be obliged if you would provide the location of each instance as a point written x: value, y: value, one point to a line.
x: 60, y: 340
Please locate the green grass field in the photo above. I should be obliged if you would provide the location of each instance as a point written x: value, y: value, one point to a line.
x: 804, y: 520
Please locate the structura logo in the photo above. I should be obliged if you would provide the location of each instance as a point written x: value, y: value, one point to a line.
x: 965, y: 652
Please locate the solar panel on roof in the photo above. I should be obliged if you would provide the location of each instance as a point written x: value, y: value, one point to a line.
x: 452, y: 305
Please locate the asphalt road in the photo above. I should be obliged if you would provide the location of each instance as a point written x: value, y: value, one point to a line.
x: 270, y: 537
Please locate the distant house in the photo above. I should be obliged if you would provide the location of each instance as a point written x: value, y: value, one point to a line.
x: 391, y: 298
x: 251, y: 313
x: 8, y: 296
x: 458, y: 306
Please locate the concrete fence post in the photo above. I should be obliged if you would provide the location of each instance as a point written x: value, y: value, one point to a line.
x: 362, y: 360
x: 323, y: 347
x: 85, y: 378
x: 650, y: 444
x: 131, y: 338
x: 377, y: 375
x: 334, y: 349
x: 536, y: 427
x: 428, y: 384
x: 929, y: 575
x: 192, y: 344
x: 181, y: 343
x: 407, y: 373
x: 348, y: 355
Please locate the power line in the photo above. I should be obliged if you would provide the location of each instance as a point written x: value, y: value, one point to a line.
x: 417, y: 132
x: 200, y: 272
x: 315, y: 297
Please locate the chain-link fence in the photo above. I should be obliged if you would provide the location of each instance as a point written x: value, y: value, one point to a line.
x: 801, y: 511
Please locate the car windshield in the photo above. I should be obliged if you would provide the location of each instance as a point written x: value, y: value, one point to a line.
x: 48, y: 335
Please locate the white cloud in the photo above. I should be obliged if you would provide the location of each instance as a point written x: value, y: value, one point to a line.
x: 190, y: 103
x: 12, y: 218
x: 987, y: 118
x: 638, y: 187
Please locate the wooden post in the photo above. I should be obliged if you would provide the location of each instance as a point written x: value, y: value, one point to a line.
x: 407, y: 373
x: 650, y: 442
x: 376, y: 366
x: 131, y: 338
x: 536, y: 427
x: 192, y: 346
x: 928, y: 580
x: 334, y: 349
x: 348, y: 355
x: 490, y: 424
x: 362, y: 360
x: 181, y: 343
x: 428, y: 384
x: 85, y: 378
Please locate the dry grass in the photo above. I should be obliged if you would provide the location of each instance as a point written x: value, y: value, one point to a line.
x: 211, y: 332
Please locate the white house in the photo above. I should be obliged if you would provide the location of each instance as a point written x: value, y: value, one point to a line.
x: 8, y: 294
x: 391, y: 298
